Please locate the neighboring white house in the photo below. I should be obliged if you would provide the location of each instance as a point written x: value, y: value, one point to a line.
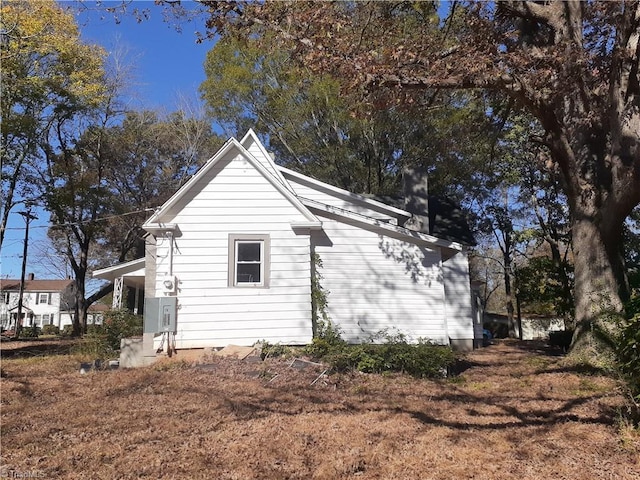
x: 44, y: 302
x: 239, y: 244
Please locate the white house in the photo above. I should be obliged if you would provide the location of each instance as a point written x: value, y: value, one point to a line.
x: 238, y: 245
x: 44, y: 302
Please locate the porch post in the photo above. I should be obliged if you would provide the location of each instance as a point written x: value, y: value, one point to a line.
x: 117, y: 293
x: 137, y: 299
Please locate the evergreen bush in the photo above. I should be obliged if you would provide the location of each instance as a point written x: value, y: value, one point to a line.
x: 273, y: 350
x: 383, y: 353
x: 50, y: 330
x: 628, y: 346
x: 119, y: 324
x: 67, y: 330
x: 30, y: 332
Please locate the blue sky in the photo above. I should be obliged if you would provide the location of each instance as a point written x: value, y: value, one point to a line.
x: 166, y: 64
x: 165, y: 61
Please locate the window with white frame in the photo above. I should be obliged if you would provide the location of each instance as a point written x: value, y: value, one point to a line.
x: 249, y: 260
x: 46, y: 319
x: 5, y: 297
x: 43, y: 298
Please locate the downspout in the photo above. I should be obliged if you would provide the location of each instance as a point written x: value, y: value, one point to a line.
x: 447, y: 338
x: 170, y: 235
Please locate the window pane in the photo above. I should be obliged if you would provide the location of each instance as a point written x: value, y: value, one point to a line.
x: 248, y: 273
x: 248, y: 252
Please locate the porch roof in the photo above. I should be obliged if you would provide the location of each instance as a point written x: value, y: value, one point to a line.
x: 132, y: 273
x: 25, y: 309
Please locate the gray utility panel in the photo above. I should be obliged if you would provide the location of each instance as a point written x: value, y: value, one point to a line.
x: 160, y: 314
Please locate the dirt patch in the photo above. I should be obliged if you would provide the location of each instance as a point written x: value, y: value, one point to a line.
x: 515, y: 413
x: 36, y: 347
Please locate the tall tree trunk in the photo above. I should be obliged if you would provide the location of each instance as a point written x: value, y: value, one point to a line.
x: 600, y: 283
x: 511, y: 320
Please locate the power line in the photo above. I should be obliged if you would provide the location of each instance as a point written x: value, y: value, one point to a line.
x: 59, y: 225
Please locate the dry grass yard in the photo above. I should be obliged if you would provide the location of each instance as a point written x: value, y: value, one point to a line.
x: 514, y: 413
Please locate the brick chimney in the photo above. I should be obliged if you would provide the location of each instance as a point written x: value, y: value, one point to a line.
x: 31, y: 276
x: 416, y: 198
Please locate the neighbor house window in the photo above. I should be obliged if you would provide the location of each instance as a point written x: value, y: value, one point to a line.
x: 5, y: 297
x: 43, y: 298
x: 249, y: 260
x: 46, y: 319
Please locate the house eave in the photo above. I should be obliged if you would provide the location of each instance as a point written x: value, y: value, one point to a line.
x: 155, y: 228
x: 354, y: 197
x: 306, y: 225
x: 449, y: 248
x: 133, y: 268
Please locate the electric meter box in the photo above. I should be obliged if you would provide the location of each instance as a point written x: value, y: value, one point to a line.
x: 160, y: 314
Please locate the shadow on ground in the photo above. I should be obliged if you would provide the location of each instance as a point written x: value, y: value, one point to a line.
x: 35, y: 347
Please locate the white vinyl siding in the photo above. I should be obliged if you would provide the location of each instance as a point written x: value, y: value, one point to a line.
x: 375, y: 282
x: 458, y: 297
x: 235, y: 199
x: 376, y: 277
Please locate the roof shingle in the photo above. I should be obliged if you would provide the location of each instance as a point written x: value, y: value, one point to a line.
x: 11, y: 284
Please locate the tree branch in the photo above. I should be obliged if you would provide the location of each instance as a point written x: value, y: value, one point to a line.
x: 104, y: 290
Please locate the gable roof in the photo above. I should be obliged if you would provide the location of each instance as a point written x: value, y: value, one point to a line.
x: 12, y: 284
x: 230, y: 146
x: 448, y: 228
x: 449, y: 248
x: 251, y: 139
x: 385, y: 208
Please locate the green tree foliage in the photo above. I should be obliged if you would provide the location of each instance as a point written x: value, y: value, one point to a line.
x: 306, y: 121
x: 541, y: 288
x: 523, y: 209
x: 47, y: 73
x: 632, y: 249
x: 66, y: 137
x: 315, y: 128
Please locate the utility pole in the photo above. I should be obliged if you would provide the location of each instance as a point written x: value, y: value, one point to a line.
x: 28, y: 216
